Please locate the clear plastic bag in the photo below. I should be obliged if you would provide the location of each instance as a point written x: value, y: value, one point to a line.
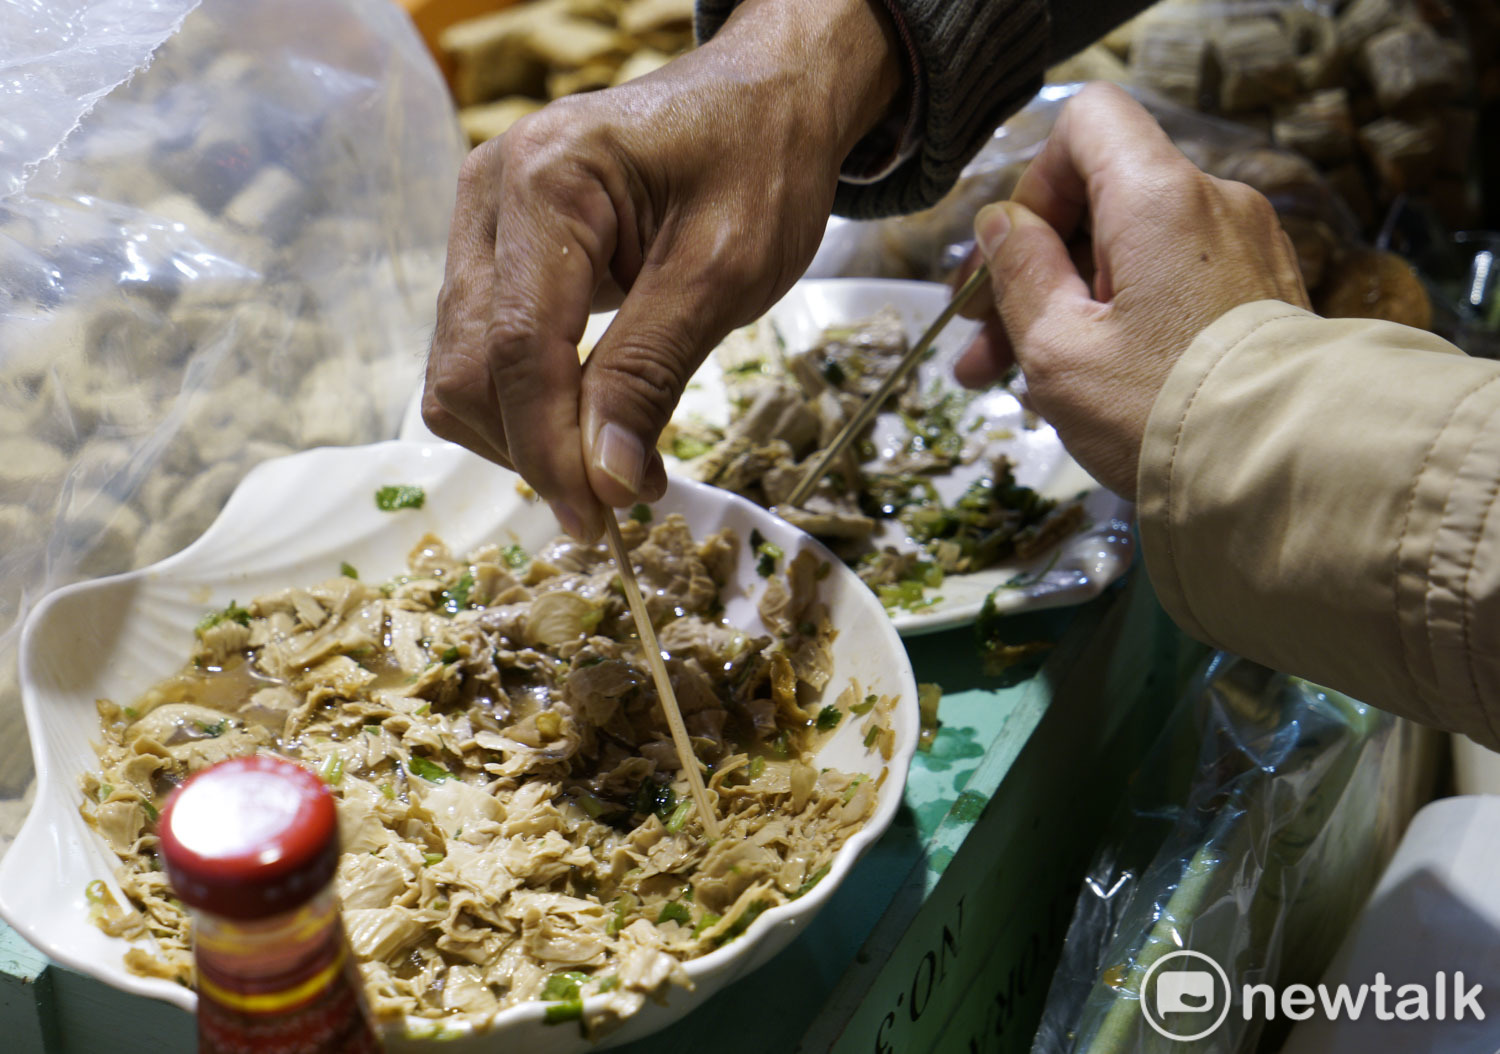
x: 929, y: 245
x: 222, y: 231
x: 1259, y: 855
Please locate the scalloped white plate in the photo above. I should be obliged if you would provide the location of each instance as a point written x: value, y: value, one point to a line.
x: 294, y: 520
x: 1076, y: 571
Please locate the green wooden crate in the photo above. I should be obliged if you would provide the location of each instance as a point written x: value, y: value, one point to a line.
x: 944, y: 938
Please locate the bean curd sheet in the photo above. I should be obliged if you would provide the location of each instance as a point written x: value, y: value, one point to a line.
x: 514, y: 822
x: 878, y: 506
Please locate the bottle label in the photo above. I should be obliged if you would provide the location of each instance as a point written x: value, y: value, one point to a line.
x: 313, y: 1009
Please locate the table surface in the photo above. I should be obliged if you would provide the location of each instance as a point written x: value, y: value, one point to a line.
x: 1000, y: 757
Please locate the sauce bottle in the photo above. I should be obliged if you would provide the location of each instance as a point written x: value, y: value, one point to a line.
x: 250, y: 845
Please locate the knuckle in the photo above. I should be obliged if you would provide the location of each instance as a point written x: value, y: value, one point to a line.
x: 438, y: 419
x: 474, y: 173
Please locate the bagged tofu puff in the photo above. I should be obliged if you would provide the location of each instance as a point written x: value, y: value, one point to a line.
x: 214, y: 248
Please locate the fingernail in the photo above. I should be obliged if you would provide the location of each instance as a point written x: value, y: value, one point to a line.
x: 990, y: 228
x: 569, y: 520
x: 621, y: 456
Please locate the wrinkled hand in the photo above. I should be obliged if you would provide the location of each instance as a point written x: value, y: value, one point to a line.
x: 1173, y: 249
x: 699, y: 192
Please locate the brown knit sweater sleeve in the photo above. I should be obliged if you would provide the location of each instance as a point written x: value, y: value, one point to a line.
x: 975, y: 62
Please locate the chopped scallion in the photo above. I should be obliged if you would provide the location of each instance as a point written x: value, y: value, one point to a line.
x: 674, y: 911
x: 399, y: 496
x: 680, y: 815
x: 428, y: 770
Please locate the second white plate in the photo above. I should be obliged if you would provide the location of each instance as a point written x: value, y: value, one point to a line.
x: 1077, y: 570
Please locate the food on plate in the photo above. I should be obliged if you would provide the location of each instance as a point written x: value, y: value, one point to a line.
x: 514, y: 822
x: 787, y: 407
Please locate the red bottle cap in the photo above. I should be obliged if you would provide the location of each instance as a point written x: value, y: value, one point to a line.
x: 250, y: 837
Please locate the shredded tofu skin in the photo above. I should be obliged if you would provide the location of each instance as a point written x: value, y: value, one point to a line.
x: 514, y: 822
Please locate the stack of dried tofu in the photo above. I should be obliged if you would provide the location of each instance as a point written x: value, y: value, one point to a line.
x: 1377, y: 93
x: 511, y: 62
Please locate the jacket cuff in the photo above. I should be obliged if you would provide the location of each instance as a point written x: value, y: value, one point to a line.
x: 1313, y: 495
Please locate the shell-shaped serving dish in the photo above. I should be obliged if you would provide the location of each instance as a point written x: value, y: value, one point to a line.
x: 294, y: 521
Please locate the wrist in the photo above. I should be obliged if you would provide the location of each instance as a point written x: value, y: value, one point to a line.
x: 838, y: 64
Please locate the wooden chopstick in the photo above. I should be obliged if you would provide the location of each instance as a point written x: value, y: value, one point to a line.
x: 652, y: 647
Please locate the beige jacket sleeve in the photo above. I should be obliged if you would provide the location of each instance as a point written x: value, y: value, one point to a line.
x: 1319, y: 496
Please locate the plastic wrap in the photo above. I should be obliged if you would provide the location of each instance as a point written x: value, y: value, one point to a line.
x: 221, y: 236
x: 1344, y: 276
x: 1296, y: 801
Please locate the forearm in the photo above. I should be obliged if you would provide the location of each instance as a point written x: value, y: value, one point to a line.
x: 838, y: 63
x: 1316, y: 495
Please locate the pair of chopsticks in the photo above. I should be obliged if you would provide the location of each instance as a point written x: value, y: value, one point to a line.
x: 852, y: 428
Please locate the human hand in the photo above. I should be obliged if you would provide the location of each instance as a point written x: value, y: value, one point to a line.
x: 1172, y: 250
x: 699, y: 192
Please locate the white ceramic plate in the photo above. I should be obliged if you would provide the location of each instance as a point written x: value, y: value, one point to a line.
x: 1079, y: 569
x: 293, y: 520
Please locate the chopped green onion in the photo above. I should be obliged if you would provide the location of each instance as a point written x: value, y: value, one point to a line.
x: 96, y: 892
x: 811, y: 880
x: 150, y: 810
x: 623, y: 907
x: 428, y: 859
x: 756, y: 767
x: 232, y: 613
x: 514, y: 556
x: 393, y: 497
x: 686, y: 448
x: 388, y: 791
x: 680, y: 815
x: 640, y: 513
x: 440, y: 904
x: 564, y: 985
x: 674, y: 911
x: 130, y: 712
x: 332, y: 769
x: 610, y: 983
x: 450, y: 654
x: 848, y: 795
x: 347, y: 570
x: 741, y: 924
x: 105, y: 790
x: 828, y: 718
x: 871, y: 735
x: 594, y: 806
x: 456, y: 599
x: 429, y: 770
x: 557, y: 1013
x: 708, y: 920
x: 860, y: 709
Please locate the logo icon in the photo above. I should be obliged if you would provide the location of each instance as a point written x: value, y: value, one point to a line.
x: 1188, y: 994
